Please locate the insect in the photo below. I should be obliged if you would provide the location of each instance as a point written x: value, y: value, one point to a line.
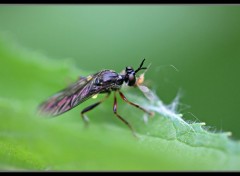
x: 102, y: 82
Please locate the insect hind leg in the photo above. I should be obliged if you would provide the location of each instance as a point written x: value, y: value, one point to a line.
x: 84, y: 117
x: 122, y: 119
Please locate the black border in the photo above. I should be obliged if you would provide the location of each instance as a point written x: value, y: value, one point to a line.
x: 118, y: 2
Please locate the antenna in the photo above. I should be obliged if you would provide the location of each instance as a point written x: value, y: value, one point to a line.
x: 140, y: 67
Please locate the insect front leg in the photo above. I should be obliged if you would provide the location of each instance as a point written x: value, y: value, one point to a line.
x: 137, y: 106
x: 84, y: 117
x: 122, y: 119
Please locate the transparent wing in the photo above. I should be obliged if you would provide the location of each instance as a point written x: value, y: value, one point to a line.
x: 69, y: 97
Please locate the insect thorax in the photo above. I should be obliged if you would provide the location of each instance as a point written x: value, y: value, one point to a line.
x: 108, y: 80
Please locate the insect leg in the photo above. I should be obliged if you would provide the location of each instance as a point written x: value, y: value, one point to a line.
x: 84, y: 117
x: 137, y: 106
x: 122, y: 119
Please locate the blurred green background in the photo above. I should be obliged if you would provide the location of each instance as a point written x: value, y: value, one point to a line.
x: 201, y: 41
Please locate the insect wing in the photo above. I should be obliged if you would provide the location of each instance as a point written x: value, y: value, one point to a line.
x: 69, y: 97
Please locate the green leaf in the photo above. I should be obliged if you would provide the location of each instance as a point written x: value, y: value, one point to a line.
x: 30, y: 142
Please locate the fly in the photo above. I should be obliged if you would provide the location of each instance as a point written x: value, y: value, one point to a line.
x: 102, y: 82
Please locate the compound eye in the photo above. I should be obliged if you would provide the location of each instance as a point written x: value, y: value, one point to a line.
x: 131, y: 77
x: 131, y: 80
